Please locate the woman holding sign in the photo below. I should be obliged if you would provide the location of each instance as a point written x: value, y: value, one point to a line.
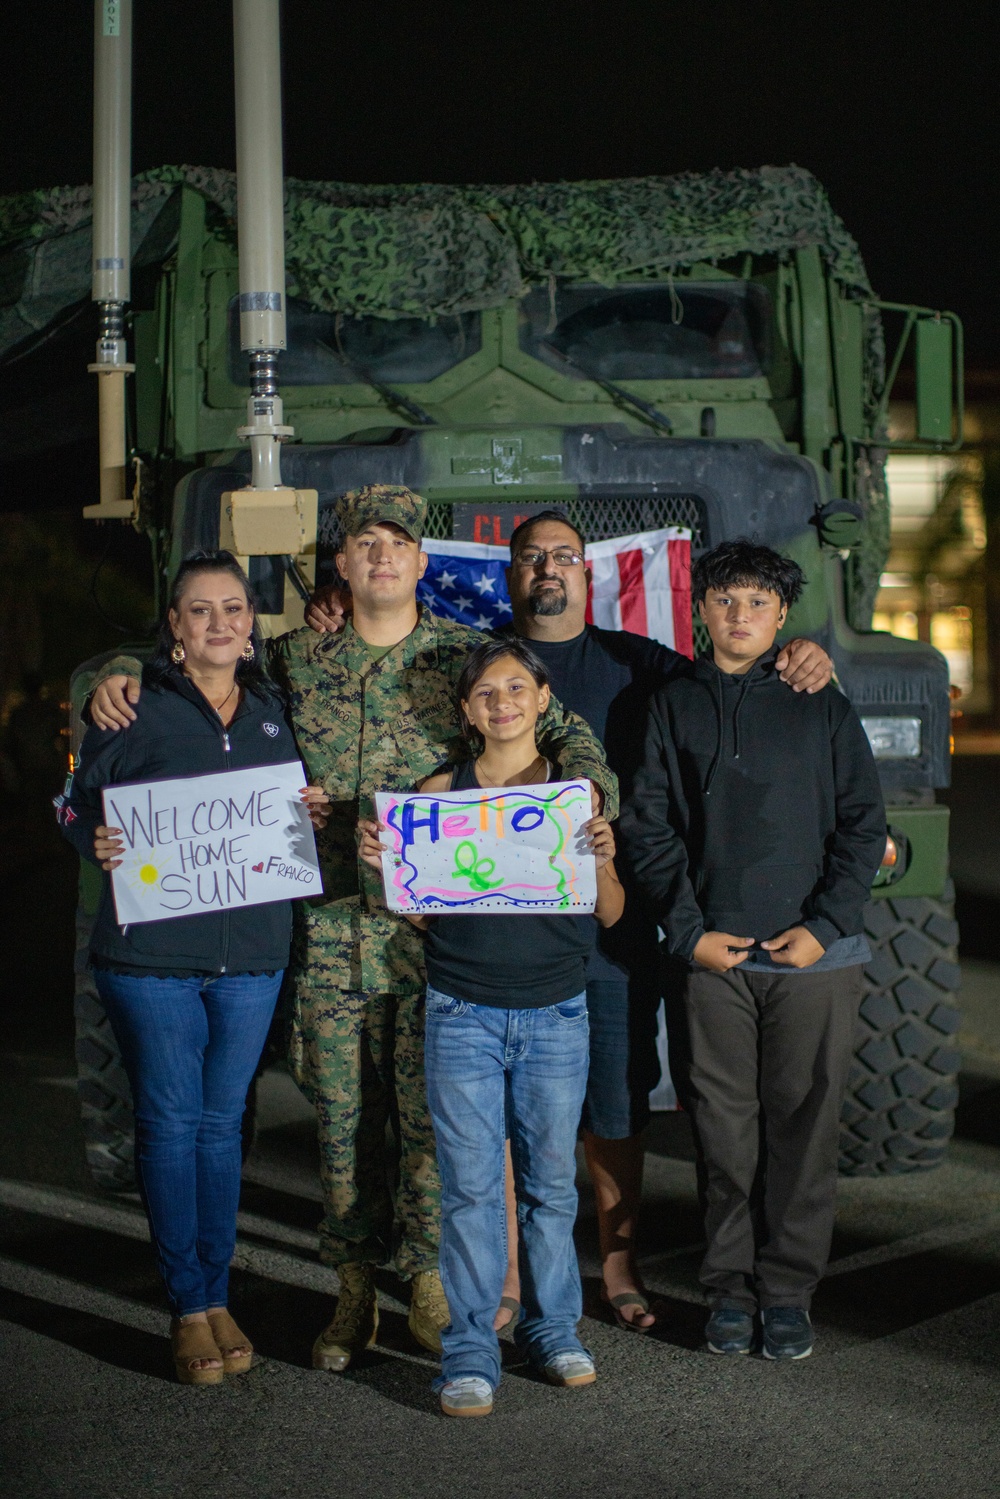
x: 507, y: 1046
x: 190, y: 1000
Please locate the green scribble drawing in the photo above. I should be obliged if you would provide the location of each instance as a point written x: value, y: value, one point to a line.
x: 557, y: 870
x: 468, y: 866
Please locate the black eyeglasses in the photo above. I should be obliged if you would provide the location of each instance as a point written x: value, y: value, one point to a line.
x: 562, y: 557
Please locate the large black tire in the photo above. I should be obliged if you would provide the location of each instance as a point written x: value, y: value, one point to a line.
x: 105, y: 1095
x: 899, y: 1113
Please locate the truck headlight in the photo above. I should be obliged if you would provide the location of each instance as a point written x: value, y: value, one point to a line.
x: 893, y: 738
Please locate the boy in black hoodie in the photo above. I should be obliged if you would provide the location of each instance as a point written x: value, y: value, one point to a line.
x: 756, y: 827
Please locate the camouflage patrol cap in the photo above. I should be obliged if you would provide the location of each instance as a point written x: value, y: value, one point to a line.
x: 382, y: 502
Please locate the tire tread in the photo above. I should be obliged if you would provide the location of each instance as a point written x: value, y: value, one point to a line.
x: 899, y: 1112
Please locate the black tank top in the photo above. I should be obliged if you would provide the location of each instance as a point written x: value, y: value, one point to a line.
x: 510, y: 962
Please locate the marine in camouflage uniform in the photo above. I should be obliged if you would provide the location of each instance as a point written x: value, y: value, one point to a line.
x: 366, y: 720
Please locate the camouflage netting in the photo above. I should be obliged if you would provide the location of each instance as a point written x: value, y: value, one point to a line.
x: 430, y: 250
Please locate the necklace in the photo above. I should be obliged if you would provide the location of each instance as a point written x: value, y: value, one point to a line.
x: 225, y: 700
x: 213, y: 707
x: 538, y: 763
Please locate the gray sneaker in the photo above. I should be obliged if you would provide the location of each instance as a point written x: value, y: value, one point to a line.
x: 570, y: 1370
x: 787, y: 1332
x: 468, y: 1396
x: 729, y: 1329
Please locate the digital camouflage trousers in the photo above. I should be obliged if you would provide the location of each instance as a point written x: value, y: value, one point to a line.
x: 359, y: 1058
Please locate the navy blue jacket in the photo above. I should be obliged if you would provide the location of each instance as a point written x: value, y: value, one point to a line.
x: 756, y: 809
x: 176, y: 733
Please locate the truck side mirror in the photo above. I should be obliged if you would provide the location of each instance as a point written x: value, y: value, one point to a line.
x: 934, y: 367
x: 840, y: 523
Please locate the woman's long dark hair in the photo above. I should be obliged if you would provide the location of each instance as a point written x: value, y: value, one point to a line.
x: 478, y: 662
x: 249, y: 674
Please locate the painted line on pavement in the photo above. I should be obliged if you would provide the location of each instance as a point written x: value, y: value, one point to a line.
x: 129, y: 1223
x: 58, y: 1290
x: 922, y: 1243
x: 261, y: 1174
x: 75, y: 1296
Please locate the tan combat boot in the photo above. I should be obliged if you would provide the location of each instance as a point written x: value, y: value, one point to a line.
x: 355, y: 1322
x: 428, y: 1310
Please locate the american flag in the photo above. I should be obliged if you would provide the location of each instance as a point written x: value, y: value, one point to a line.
x: 641, y: 583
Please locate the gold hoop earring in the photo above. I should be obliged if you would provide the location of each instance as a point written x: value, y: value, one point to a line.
x: 178, y: 654
x: 248, y: 651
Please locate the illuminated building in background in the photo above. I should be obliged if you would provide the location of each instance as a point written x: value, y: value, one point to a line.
x: 934, y: 586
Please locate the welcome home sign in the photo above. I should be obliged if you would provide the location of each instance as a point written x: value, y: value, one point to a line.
x: 511, y: 848
x: 208, y: 843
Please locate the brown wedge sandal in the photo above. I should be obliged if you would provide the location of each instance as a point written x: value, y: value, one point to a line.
x: 190, y: 1342
x: 231, y: 1342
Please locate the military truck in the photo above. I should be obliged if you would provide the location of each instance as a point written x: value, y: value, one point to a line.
x: 703, y: 351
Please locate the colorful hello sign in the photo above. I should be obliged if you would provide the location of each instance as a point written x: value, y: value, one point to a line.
x: 209, y: 843
x: 515, y: 848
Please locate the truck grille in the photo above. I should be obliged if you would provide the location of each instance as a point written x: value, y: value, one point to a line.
x: 602, y: 516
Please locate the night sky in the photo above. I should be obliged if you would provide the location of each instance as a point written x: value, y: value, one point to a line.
x: 893, y: 106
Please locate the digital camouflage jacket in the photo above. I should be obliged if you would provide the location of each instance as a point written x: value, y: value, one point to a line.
x: 364, y: 726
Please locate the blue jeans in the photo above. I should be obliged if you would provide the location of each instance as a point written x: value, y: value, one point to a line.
x: 624, y: 1066
x: 190, y: 1048
x: 489, y: 1070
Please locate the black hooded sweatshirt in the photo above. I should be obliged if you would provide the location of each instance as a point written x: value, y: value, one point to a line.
x: 177, y: 733
x: 756, y: 809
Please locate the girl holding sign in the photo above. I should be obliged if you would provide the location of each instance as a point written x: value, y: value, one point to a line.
x: 507, y: 1049
x: 190, y: 1000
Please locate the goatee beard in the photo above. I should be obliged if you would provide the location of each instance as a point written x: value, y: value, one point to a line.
x: 548, y: 601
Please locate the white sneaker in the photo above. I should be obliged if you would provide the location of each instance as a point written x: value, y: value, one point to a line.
x: 467, y: 1396
x: 570, y: 1370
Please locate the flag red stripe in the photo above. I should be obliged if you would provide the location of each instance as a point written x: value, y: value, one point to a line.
x: 632, y: 595
x: 679, y: 555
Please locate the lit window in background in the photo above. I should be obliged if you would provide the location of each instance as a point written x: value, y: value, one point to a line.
x: 951, y: 633
x: 916, y: 483
x: 902, y: 623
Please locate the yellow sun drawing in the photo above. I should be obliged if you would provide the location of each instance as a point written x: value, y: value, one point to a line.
x: 144, y: 878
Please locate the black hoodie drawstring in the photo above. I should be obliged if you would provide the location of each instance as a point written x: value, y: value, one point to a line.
x: 736, y: 715
x: 713, y: 768
x: 720, y: 710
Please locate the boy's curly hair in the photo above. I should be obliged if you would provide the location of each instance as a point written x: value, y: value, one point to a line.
x: 745, y: 564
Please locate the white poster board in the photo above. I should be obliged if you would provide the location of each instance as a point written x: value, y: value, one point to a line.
x: 510, y: 848
x: 210, y: 843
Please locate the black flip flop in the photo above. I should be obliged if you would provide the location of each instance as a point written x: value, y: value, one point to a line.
x: 512, y: 1305
x: 629, y: 1298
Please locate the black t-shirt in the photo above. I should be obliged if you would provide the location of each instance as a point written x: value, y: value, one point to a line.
x: 608, y: 677
x: 509, y: 962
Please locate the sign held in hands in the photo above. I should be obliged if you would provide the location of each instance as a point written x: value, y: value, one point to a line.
x: 507, y: 848
x: 211, y: 843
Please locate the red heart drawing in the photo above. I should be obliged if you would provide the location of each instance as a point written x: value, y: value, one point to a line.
x: 258, y: 868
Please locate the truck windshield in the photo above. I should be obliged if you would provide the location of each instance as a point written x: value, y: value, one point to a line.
x: 403, y: 350
x: 704, y: 330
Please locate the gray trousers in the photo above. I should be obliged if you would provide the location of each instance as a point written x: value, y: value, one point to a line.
x: 767, y: 1063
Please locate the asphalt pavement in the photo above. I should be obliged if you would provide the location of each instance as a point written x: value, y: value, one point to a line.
x: 901, y: 1397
